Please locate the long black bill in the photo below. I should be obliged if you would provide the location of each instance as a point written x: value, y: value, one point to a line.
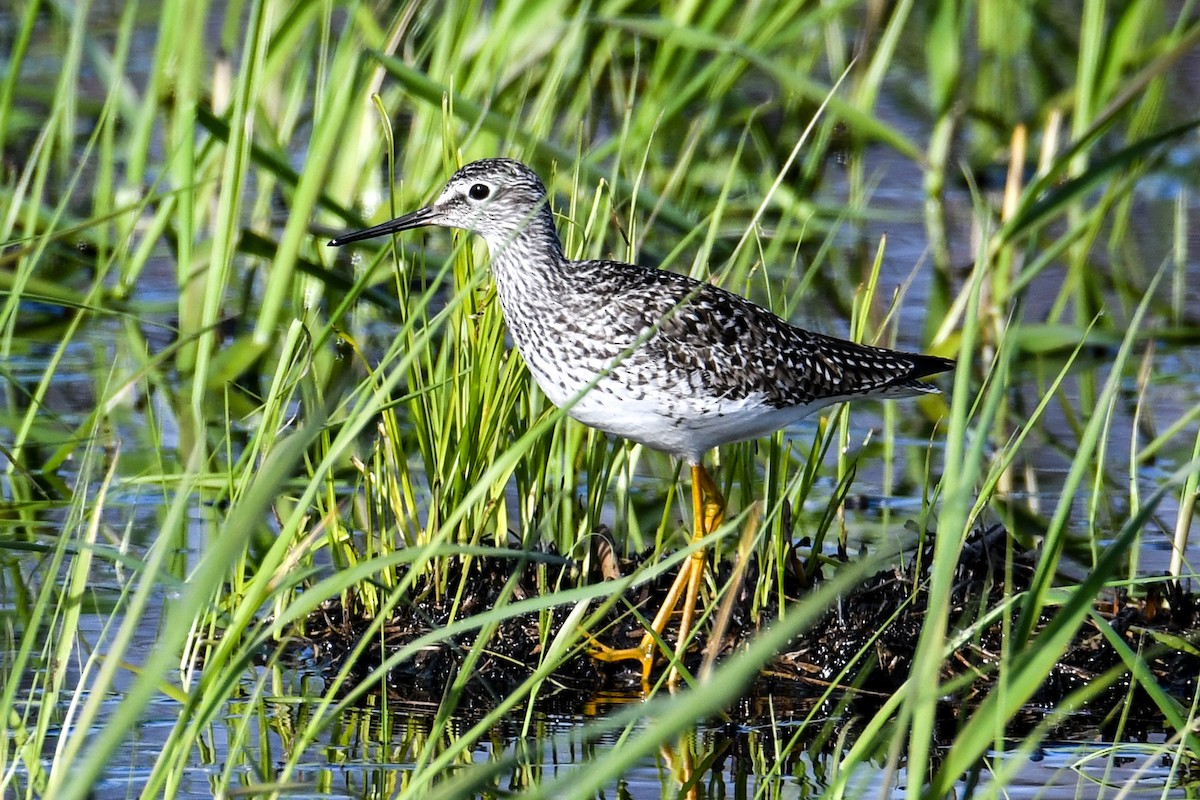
x: 417, y: 219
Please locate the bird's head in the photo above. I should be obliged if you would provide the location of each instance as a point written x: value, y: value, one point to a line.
x: 495, y: 197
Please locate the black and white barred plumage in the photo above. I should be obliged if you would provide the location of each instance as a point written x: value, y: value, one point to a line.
x: 685, y: 366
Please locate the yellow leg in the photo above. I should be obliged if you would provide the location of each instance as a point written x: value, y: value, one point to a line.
x: 708, y: 511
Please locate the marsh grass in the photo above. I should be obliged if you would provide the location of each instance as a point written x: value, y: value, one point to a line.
x: 304, y: 425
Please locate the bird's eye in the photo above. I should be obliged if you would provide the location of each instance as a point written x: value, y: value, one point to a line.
x: 479, y: 191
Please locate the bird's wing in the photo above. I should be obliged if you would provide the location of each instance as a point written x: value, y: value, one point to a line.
x: 734, y: 348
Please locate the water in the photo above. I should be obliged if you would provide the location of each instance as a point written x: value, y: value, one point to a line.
x: 371, y: 754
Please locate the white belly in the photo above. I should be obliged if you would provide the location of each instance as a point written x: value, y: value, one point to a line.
x: 670, y: 421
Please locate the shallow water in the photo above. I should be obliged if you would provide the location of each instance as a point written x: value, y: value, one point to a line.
x: 366, y: 756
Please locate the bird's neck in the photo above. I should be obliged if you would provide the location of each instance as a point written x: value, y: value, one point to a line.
x: 529, y: 260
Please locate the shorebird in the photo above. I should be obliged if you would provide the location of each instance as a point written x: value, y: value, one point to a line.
x: 679, y: 365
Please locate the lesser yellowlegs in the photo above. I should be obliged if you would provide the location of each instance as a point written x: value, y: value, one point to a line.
x: 676, y: 364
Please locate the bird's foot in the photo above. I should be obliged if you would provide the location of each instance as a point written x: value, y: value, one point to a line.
x: 643, y: 652
x: 683, y: 592
x: 708, y: 508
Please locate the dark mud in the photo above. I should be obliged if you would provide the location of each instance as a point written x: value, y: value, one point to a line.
x: 863, y: 648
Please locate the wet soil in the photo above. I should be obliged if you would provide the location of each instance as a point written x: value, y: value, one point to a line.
x: 863, y: 647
